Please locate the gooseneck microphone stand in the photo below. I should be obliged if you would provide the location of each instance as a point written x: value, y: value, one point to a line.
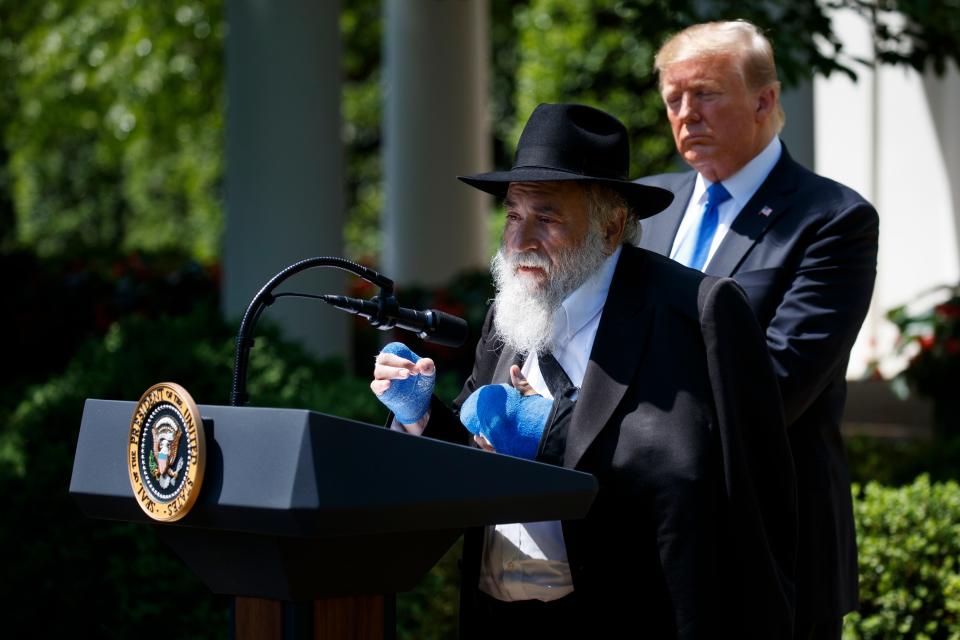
x: 265, y: 297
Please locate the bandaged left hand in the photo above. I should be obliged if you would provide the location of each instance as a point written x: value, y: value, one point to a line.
x: 512, y: 422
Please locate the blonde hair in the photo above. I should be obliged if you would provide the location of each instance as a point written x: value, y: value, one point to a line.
x: 739, y: 39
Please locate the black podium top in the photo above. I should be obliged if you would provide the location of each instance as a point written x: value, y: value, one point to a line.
x: 290, y: 495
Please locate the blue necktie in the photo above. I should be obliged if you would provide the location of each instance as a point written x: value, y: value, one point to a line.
x: 716, y: 195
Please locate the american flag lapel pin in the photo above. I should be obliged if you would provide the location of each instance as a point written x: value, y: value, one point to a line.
x: 766, y: 211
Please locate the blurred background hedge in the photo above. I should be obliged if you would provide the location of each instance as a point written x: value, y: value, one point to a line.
x: 116, y: 577
x: 909, y: 545
x: 111, y: 171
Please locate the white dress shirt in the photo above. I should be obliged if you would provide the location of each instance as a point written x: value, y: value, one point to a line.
x: 526, y: 561
x: 742, y: 186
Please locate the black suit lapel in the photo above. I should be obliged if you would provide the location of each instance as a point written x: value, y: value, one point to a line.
x: 508, y: 358
x: 770, y: 201
x: 617, y: 350
x: 660, y: 230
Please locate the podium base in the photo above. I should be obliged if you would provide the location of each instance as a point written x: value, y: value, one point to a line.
x: 351, y: 618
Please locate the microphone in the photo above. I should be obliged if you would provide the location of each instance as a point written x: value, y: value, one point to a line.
x: 431, y: 325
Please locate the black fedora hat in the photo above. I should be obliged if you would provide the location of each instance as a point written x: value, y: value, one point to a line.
x: 574, y: 142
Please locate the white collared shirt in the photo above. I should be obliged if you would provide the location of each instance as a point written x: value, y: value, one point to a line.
x: 526, y: 561
x: 742, y: 186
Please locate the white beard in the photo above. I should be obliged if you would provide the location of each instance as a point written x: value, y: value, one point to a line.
x: 524, y: 308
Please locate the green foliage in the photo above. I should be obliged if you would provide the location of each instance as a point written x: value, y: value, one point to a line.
x: 361, y: 27
x: 91, y: 294
x: 196, y: 350
x: 16, y: 19
x: 600, y: 52
x: 597, y: 53
x: 909, y: 544
x: 117, y: 578
x: 111, y: 138
x: 505, y: 50
x: 894, y: 462
x: 116, y: 133
x: 921, y: 34
x: 112, y: 126
x: 429, y: 612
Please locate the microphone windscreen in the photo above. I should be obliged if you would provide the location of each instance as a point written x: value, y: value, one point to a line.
x: 448, y: 330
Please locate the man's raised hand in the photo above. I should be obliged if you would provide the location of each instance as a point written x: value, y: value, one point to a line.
x: 403, y: 382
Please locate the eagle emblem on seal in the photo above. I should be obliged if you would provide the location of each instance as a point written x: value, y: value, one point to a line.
x: 166, y: 442
x: 166, y: 452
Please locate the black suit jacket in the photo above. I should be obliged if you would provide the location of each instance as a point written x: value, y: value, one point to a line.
x: 692, y: 534
x: 805, y: 251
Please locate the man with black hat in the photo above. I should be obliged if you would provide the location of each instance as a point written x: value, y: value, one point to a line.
x: 659, y: 385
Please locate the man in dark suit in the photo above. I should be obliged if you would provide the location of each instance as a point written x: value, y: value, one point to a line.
x: 804, y: 249
x: 661, y: 388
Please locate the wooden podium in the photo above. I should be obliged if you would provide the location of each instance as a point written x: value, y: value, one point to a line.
x: 313, y: 522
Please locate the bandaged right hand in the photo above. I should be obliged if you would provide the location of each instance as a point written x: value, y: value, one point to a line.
x: 403, y: 382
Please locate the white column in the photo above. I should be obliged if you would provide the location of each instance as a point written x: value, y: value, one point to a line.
x: 943, y: 100
x: 284, y: 176
x: 436, y: 128
x: 918, y: 238
x: 893, y: 137
x: 845, y: 150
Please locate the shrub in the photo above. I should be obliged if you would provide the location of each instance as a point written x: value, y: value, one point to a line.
x: 895, y: 462
x: 116, y: 579
x: 96, y: 571
x: 55, y: 305
x: 909, y: 543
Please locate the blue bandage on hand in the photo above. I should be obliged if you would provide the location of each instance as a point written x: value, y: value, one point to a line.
x: 408, y: 399
x: 513, y: 423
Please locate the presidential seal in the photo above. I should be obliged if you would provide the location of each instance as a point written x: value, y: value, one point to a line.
x: 167, y: 452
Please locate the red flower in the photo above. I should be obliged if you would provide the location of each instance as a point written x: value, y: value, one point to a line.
x: 215, y: 273
x: 952, y: 345
x: 360, y: 288
x: 118, y: 268
x: 948, y: 310
x: 102, y: 317
x: 926, y: 343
